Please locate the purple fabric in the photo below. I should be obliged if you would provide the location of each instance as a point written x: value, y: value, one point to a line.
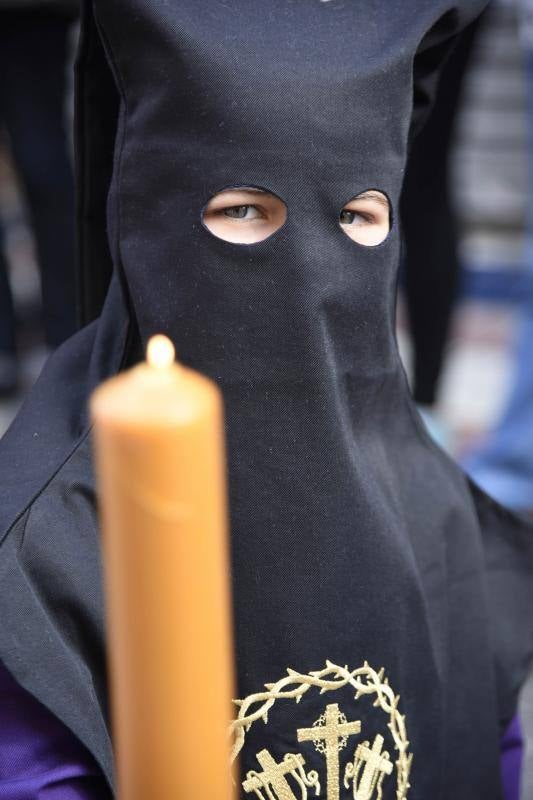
x: 512, y: 751
x: 40, y: 758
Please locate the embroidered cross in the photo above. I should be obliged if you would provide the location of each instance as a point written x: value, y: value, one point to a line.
x: 273, y: 775
x: 331, y: 733
x: 376, y: 766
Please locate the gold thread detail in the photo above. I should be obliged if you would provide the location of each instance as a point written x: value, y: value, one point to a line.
x: 365, y: 681
x: 273, y: 777
x: 368, y: 770
x: 330, y: 734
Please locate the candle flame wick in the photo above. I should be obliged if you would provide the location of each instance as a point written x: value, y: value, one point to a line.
x: 160, y: 352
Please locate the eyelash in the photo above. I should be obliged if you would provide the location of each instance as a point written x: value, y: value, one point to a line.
x: 224, y: 211
x: 368, y: 218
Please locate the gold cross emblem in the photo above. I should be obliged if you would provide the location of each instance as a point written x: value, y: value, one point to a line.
x: 365, y: 766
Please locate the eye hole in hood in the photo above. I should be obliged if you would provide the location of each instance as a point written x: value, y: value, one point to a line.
x: 247, y: 215
x: 244, y: 214
x: 366, y: 218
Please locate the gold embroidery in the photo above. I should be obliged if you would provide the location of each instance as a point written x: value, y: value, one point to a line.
x: 330, y: 736
x: 273, y: 777
x: 377, y: 765
x: 370, y: 766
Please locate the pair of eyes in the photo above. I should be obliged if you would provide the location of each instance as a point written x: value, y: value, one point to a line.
x: 248, y: 215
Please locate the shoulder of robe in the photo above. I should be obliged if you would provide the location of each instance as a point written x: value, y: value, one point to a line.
x: 508, y: 547
x: 51, y: 607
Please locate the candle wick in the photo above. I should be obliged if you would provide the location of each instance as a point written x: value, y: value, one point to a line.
x: 160, y: 352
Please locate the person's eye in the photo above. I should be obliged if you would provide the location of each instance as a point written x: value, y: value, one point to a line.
x: 242, y: 212
x: 366, y: 218
x: 353, y: 217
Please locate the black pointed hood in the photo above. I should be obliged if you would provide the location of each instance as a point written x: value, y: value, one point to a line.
x: 363, y: 564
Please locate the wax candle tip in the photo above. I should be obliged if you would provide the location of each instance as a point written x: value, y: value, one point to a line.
x: 160, y: 352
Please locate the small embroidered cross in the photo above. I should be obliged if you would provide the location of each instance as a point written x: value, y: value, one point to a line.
x: 376, y: 766
x: 273, y: 775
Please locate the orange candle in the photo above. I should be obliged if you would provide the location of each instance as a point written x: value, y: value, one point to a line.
x: 161, y: 477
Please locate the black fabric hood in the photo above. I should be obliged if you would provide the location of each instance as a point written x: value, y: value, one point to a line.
x: 367, y: 572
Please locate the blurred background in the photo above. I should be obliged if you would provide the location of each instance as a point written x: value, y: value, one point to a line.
x: 37, y: 288
x: 465, y: 321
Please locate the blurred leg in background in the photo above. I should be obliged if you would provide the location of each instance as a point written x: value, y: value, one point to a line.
x: 33, y: 57
x: 504, y: 464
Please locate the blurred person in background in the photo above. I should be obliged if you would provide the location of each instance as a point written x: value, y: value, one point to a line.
x: 34, y: 40
x: 503, y: 464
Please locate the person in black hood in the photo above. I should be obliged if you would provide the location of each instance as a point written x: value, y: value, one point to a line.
x: 382, y: 602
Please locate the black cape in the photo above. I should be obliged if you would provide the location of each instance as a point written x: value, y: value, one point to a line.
x: 377, y: 593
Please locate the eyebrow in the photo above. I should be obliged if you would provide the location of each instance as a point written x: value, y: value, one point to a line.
x: 371, y: 194
x: 249, y: 189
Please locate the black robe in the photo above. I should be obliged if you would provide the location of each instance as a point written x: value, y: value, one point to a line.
x: 377, y: 593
